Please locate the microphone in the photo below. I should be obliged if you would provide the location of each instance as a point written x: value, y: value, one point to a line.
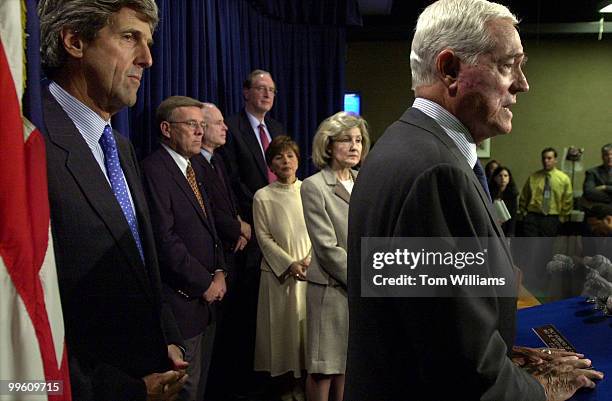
x: 601, y: 264
x: 596, y: 286
x: 560, y: 263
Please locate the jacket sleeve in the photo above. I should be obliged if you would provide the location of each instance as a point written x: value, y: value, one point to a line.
x: 275, y: 256
x: 330, y: 255
x: 473, y: 358
x: 592, y: 194
x: 186, y: 270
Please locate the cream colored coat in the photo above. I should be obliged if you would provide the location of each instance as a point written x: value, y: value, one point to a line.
x: 281, y: 310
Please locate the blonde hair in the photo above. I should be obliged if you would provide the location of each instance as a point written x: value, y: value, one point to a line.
x: 333, y: 127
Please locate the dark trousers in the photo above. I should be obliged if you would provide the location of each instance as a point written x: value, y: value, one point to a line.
x: 199, y: 351
x: 540, y: 225
x: 232, y: 368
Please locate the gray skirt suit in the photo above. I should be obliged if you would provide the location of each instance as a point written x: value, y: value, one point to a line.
x: 326, y: 204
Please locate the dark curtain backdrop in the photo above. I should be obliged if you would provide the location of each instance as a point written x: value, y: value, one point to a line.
x: 205, y: 49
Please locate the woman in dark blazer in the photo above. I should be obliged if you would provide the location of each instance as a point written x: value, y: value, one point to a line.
x: 502, y: 186
x: 341, y: 142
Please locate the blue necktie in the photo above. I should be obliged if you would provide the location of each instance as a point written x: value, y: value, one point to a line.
x: 478, y: 170
x: 117, y: 180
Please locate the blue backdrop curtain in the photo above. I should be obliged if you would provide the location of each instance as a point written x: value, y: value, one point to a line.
x: 205, y: 49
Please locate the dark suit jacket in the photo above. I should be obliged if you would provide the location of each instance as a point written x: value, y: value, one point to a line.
x: 595, y: 177
x: 415, y: 183
x: 187, y: 243
x: 117, y: 328
x: 245, y: 162
x: 223, y: 203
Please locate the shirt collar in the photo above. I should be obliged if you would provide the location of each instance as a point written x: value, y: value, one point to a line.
x: 89, y: 124
x: 459, y: 134
x: 207, y: 155
x: 180, y: 160
x: 254, y: 121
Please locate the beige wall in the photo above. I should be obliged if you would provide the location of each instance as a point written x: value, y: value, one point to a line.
x: 570, y: 101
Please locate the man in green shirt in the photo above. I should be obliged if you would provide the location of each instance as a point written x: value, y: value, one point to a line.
x: 546, y: 199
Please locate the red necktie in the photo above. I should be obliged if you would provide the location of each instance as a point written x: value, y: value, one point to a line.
x: 265, y: 143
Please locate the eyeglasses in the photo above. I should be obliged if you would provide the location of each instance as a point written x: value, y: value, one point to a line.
x: 265, y: 89
x: 193, y: 124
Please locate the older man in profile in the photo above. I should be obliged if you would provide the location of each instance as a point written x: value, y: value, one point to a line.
x: 467, y: 62
x: 122, y: 339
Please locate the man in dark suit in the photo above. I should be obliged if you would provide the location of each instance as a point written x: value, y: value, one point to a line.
x: 189, y: 249
x: 598, y: 180
x: 122, y: 339
x: 423, y: 179
x: 233, y: 231
x: 250, y: 133
x: 234, y: 234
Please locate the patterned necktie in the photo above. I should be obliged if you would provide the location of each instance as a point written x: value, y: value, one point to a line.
x: 478, y: 170
x: 191, y: 179
x: 265, y: 143
x: 118, y: 184
x: 546, y: 195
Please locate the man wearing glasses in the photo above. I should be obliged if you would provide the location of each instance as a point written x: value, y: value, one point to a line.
x: 190, y: 254
x: 250, y: 132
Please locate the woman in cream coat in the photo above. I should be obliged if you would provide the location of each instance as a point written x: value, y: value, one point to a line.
x: 341, y: 142
x: 281, y: 310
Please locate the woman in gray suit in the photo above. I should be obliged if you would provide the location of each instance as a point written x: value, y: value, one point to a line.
x: 341, y: 142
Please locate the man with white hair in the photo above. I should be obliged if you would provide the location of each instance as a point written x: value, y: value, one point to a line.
x: 466, y: 61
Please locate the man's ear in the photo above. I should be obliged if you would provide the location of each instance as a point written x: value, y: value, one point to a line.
x: 608, y: 221
x: 72, y: 42
x: 164, y: 128
x: 447, y: 66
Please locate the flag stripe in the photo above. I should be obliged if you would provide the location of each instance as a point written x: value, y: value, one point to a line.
x: 25, y: 253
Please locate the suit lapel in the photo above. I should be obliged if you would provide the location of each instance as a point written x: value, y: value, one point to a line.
x: 253, y: 145
x: 94, y: 186
x: 416, y: 117
x: 182, y: 183
x: 217, y: 184
x: 339, y: 189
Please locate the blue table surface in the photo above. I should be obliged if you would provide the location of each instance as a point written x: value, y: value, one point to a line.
x: 588, y: 330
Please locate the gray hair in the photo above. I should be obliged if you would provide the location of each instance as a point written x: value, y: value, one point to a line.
x: 86, y: 17
x: 606, y: 148
x: 460, y: 25
x: 333, y: 127
x: 206, y: 108
x: 166, y: 108
x: 248, y: 82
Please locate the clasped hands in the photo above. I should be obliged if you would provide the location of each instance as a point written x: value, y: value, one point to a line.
x: 560, y: 372
x: 298, y: 269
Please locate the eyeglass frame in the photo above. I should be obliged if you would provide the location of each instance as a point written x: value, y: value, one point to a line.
x: 193, y: 124
x: 268, y: 89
